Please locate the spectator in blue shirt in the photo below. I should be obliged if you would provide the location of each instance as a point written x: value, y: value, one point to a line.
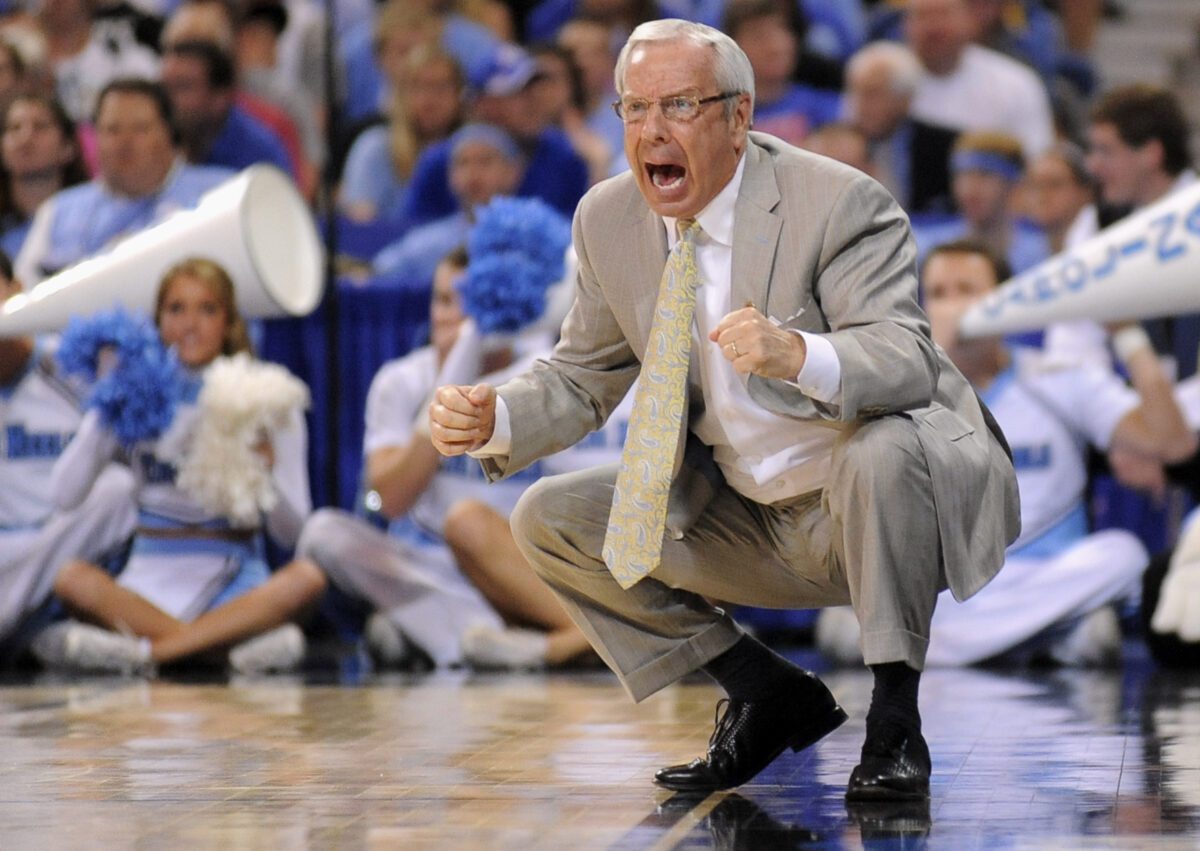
x: 590, y: 44
x: 399, y: 25
x: 554, y: 172
x: 484, y: 163
x: 199, y: 78
x: 39, y: 155
x: 769, y: 31
x: 986, y: 167
x: 380, y: 161
x: 142, y: 178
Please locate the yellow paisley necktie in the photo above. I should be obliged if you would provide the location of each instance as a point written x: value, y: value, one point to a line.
x: 633, y: 543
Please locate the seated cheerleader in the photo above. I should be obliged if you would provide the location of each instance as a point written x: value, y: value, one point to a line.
x: 196, y: 583
x: 446, y: 579
x: 408, y: 574
x: 39, y: 413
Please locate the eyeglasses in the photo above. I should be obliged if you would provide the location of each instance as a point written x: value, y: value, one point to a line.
x: 675, y: 108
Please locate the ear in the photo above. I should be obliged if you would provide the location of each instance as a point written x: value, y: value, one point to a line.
x: 740, y: 120
x: 1152, y: 154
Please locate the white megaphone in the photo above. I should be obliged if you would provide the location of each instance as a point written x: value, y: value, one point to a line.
x: 255, y: 225
x: 1145, y: 266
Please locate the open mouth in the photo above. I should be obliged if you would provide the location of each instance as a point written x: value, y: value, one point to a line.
x: 665, y: 176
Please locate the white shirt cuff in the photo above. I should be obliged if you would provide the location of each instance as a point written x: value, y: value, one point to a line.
x: 821, y: 376
x: 501, y: 440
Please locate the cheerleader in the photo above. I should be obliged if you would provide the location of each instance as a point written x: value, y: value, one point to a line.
x: 408, y: 574
x: 39, y: 414
x: 196, y: 582
x: 446, y: 579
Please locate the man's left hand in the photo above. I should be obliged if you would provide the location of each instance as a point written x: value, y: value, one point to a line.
x: 753, y: 343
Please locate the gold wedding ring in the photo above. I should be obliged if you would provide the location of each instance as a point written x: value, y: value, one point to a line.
x: 736, y: 353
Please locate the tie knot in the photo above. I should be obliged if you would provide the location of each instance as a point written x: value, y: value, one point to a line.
x: 687, y: 229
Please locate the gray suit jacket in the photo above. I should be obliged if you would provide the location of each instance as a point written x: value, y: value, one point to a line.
x: 822, y: 248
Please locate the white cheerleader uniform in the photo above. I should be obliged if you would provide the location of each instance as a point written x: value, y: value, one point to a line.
x: 1056, y: 572
x: 39, y: 413
x: 186, y: 560
x: 409, y: 574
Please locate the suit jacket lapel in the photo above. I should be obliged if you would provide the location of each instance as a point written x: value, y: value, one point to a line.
x: 756, y: 229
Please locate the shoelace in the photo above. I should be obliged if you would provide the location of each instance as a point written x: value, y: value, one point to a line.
x: 724, y: 723
x: 894, y: 743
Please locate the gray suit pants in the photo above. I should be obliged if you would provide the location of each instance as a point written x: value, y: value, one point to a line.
x: 869, y: 539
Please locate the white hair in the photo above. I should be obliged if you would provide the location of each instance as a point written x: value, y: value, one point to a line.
x: 903, y: 67
x: 731, y: 66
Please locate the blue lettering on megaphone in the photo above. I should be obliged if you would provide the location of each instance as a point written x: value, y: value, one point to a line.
x: 1165, y: 237
x: 1074, y: 274
x: 1164, y: 247
x: 1133, y: 246
x: 1192, y: 222
x: 1106, y: 268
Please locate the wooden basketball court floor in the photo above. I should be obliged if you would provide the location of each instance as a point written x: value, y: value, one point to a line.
x: 459, y: 760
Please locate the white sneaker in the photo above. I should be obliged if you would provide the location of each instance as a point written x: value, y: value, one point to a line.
x: 836, y: 635
x: 280, y: 649
x: 1094, y: 642
x: 387, y: 643
x: 83, y: 647
x: 487, y: 646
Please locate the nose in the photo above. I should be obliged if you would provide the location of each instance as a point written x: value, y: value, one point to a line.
x: 655, y: 126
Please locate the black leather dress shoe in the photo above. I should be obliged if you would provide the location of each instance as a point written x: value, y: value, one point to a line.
x: 751, y: 733
x: 894, y: 767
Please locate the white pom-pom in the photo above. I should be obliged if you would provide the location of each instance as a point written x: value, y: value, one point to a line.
x: 241, y: 402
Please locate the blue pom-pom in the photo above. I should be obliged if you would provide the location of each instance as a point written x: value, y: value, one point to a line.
x: 516, y: 252
x: 138, y: 397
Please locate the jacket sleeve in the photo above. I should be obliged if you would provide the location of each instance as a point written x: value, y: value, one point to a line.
x: 864, y: 284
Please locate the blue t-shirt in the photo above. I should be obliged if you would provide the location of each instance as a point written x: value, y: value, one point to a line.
x: 244, y: 141
x: 801, y: 109
x: 370, y: 176
x: 543, y: 21
x: 13, y: 237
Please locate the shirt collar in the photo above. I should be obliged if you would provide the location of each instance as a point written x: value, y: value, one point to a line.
x: 716, y: 220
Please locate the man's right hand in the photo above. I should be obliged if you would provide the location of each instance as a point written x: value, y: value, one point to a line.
x: 461, y: 417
